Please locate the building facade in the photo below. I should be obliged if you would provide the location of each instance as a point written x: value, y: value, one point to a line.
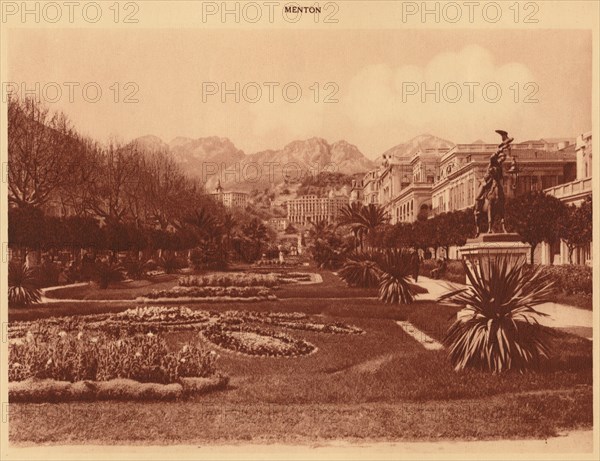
x: 462, y: 169
x: 311, y: 208
x: 279, y: 224
x: 230, y: 199
x: 573, y: 193
x: 435, y: 181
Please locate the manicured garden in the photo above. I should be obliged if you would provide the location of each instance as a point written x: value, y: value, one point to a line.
x: 345, y: 370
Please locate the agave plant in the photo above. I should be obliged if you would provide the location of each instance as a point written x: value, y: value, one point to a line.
x: 171, y: 264
x: 394, y: 286
x: 135, y: 269
x: 361, y: 270
x: 107, y: 273
x: 22, y: 290
x: 499, y: 330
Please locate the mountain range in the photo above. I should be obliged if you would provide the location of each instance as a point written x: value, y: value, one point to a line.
x: 213, y: 157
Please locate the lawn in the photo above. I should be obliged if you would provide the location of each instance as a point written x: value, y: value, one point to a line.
x: 382, y: 385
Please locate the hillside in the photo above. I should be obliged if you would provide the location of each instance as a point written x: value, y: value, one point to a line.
x: 424, y: 141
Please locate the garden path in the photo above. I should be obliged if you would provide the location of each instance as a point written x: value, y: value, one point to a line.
x: 576, y: 320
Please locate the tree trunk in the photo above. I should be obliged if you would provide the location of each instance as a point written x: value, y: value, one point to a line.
x: 531, y: 252
x: 570, y: 253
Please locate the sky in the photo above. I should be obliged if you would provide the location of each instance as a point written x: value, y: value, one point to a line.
x: 380, y: 86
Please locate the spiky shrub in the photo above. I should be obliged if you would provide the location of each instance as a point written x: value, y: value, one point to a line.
x: 171, y: 264
x: 107, y: 273
x: 394, y: 287
x: 22, y: 289
x: 135, y: 269
x: 361, y: 270
x: 500, y: 329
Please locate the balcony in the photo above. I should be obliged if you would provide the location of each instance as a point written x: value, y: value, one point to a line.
x: 572, y: 190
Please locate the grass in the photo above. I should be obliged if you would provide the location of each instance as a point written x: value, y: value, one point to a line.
x: 537, y: 415
x: 382, y: 385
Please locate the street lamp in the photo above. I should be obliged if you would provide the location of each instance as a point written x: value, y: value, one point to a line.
x: 514, y: 171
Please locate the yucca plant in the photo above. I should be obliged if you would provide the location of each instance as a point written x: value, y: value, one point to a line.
x: 22, y: 290
x: 394, y: 287
x: 107, y: 273
x: 500, y: 329
x: 135, y: 269
x: 361, y: 270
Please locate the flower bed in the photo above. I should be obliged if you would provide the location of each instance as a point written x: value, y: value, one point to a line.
x: 288, y: 320
x: 256, y: 293
x: 96, y: 356
x: 256, y: 341
x: 163, y: 314
x: 230, y: 280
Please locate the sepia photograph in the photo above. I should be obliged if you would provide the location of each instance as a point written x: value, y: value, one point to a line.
x: 299, y: 230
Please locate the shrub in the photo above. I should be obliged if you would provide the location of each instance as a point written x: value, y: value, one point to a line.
x: 394, y: 286
x: 454, y: 272
x: 502, y: 332
x: 208, y: 257
x: 107, y: 273
x: 22, y: 288
x: 135, y: 269
x: 570, y: 279
x: 361, y: 270
x: 171, y: 264
x: 46, y: 274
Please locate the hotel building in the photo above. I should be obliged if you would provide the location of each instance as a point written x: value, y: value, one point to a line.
x: 311, y: 208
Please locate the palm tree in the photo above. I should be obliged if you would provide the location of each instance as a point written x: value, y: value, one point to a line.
x: 254, y: 233
x: 364, y: 220
x: 205, y: 223
x: 351, y: 216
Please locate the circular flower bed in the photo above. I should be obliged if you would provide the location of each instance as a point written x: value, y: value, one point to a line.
x: 256, y: 341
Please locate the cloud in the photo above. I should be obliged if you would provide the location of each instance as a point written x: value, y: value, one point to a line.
x: 459, y: 91
x: 303, y: 118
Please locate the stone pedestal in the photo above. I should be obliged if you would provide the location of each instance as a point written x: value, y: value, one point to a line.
x: 479, y: 251
x: 491, y: 246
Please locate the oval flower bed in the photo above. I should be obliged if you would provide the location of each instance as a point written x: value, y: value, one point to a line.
x: 292, y: 320
x: 256, y: 341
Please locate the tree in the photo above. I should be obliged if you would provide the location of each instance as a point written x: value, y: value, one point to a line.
x: 254, y: 235
x: 363, y: 220
x: 536, y: 217
x: 350, y: 215
x: 452, y: 228
x: 576, y: 227
x: 40, y: 152
x: 327, y: 246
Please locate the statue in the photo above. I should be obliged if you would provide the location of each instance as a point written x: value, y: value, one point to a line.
x: 490, y: 198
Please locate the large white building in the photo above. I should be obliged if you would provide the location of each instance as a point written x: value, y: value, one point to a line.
x: 230, y: 199
x: 573, y: 193
x: 311, y: 208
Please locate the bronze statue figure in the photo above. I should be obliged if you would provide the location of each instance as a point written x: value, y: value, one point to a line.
x: 490, y: 198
